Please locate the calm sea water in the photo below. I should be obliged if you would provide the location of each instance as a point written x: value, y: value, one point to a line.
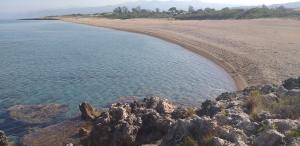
x: 57, y: 62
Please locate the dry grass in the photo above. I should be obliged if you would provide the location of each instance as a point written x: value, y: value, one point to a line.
x: 207, y: 139
x: 190, y: 112
x: 189, y: 141
x: 255, y: 103
x: 287, y: 107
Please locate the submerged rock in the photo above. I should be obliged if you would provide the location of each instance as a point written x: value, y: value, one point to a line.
x: 37, y: 114
x: 3, y: 139
x: 56, y: 135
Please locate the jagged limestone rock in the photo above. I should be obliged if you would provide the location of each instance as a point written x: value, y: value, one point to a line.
x: 88, y: 112
x: 3, y: 139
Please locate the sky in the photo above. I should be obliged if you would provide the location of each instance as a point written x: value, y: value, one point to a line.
x: 20, y: 6
x: 250, y: 2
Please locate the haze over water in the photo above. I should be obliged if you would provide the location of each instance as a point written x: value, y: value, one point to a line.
x: 56, y: 62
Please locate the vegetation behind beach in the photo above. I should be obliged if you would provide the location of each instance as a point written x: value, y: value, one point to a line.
x: 200, y: 14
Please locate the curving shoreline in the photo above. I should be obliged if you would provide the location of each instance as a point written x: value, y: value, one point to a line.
x: 253, y: 52
x: 239, y: 80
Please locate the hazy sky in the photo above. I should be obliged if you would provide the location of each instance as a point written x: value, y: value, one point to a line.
x: 8, y: 6
x: 250, y: 2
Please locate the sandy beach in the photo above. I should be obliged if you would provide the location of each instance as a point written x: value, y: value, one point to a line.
x: 252, y: 51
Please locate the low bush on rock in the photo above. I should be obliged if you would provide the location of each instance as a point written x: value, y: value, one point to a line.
x: 294, y: 133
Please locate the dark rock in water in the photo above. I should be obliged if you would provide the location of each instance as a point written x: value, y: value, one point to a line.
x: 37, y: 114
x: 88, y: 112
x: 3, y: 139
x: 292, y: 83
x: 56, y: 135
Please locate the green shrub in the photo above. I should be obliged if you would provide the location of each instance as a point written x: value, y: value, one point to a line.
x: 295, y: 133
x: 200, y: 14
x: 255, y: 93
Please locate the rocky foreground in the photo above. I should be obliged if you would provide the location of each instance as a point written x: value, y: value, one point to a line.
x: 266, y: 115
x: 231, y: 119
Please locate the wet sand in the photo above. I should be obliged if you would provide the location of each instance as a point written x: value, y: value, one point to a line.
x: 252, y: 51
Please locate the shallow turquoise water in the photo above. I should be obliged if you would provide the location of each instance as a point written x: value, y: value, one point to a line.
x: 58, y: 62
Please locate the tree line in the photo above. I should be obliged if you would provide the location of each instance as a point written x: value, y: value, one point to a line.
x: 201, y: 14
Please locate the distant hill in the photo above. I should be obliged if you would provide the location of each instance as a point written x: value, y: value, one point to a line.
x: 292, y: 5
